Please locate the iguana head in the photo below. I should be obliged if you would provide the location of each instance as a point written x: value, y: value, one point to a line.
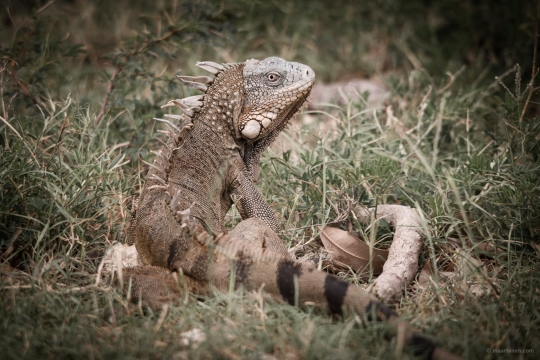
x: 250, y: 99
x: 274, y: 90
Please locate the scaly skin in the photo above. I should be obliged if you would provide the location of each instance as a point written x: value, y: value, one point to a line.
x: 207, y: 168
x: 208, y: 163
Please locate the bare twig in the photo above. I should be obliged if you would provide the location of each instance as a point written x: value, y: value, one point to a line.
x: 110, y: 88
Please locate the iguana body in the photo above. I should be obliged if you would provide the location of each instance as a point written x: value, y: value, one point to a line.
x: 211, y: 161
x: 216, y: 160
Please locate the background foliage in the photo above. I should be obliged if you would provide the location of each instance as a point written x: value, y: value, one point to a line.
x: 81, y: 81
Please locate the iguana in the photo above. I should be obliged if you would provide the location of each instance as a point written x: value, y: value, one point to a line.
x: 212, y: 160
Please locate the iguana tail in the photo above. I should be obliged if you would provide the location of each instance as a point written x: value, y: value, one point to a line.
x: 234, y: 262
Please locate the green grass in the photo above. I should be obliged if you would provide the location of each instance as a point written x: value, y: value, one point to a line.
x: 459, y: 147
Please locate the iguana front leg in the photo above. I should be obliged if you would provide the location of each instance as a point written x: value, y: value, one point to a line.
x: 250, y: 203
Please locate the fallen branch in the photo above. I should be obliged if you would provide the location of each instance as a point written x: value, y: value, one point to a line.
x: 402, y: 264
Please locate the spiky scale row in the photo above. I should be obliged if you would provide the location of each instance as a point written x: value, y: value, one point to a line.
x: 188, y: 110
x: 180, y: 118
x: 192, y: 101
x: 190, y: 106
x: 210, y: 66
x: 162, y: 170
x: 195, y: 79
x: 172, y: 128
x: 192, y: 84
x: 197, y: 100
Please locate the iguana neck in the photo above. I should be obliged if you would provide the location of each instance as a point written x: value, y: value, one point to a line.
x: 223, y: 104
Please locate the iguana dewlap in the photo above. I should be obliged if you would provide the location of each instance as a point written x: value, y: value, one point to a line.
x: 210, y: 161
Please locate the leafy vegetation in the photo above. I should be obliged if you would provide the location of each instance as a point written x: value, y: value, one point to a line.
x: 80, y: 83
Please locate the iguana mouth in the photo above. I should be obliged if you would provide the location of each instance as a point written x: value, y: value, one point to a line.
x: 270, y: 121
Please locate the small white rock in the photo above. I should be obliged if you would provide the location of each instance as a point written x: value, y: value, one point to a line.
x: 193, y: 336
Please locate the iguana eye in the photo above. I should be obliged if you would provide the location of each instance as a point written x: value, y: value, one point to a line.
x: 273, y: 77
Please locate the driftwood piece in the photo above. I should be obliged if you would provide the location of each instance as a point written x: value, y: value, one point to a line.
x: 402, y: 264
